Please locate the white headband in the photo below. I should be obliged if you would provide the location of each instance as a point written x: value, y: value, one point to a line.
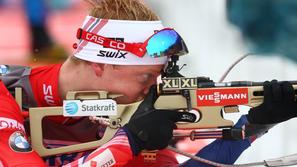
x: 127, y: 30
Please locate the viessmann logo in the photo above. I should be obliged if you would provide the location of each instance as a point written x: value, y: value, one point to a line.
x: 105, y: 107
x: 218, y: 97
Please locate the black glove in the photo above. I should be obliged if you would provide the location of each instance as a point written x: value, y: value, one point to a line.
x: 152, y: 129
x: 279, y: 104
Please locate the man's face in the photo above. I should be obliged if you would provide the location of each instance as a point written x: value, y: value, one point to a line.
x: 131, y: 81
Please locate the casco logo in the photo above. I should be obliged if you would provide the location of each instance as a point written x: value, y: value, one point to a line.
x: 3, y: 69
x: 110, y: 54
x: 71, y: 108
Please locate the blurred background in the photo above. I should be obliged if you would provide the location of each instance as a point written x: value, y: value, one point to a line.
x: 217, y: 33
x: 38, y: 31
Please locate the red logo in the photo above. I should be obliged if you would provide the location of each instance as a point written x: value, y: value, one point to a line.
x: 110, y: 43
x: 222, y: 97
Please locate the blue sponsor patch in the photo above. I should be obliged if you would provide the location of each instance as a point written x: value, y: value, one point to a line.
x: 71, y: 108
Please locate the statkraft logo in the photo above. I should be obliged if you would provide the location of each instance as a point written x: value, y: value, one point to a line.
x: 104, y: 107
x: 220, y: 97
x: 71, y: 108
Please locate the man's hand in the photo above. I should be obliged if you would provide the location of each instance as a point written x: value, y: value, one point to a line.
x: 279, y: 104
x: 152, y: 129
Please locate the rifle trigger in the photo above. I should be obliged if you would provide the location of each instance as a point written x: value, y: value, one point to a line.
x: 231, y: 109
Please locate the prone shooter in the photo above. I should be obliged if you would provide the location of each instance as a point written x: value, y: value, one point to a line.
x: 118, y: 140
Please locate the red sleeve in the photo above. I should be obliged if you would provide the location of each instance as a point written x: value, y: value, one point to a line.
x: 44, y: 83
x: 8, y: 106
x: 116, y: 152
x: 14, y: 147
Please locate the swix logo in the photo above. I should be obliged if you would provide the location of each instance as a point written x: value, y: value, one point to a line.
x: 111, y: 54
x: 118, y: 54
x: 219, y: 97
x: 48, y: 94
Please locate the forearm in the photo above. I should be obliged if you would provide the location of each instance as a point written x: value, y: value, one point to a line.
x: 116, y: 152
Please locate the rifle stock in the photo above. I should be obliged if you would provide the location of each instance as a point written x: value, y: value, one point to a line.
x: 207, y: 99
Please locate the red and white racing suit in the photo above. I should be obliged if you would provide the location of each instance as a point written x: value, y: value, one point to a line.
x: 40, y: 88
x: 14, y: 147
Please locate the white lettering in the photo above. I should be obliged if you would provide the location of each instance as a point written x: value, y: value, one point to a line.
x: 88, y: 36
x: 166, y: 83
x: 180, y: 83
x: 47, y: 90
x: 201, y: 97
x: 217, y: 97
x: 236, y: 96
x: 210, y: 97
x: 224, y: 96
x: 121, y: 45
x: 185, y: 83
x: 175, y: 83
x: 193, y: 83
x: 230, y: 96
x: 49, y: 100
x: 100, y: 40
x: 6, y: 123
x: 243, y: 96
x: 117, y: 45
x: 94, y: 38
x: 48, y: 95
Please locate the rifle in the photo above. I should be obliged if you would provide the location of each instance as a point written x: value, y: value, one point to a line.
x: 200, y: 95
x: 209, y: 101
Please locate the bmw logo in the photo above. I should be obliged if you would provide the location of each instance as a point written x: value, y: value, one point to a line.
x: 19, y: 143
x: 3, y: 69
x: 71, y: 108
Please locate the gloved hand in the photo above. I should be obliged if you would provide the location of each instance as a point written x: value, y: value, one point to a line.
x: 152, y: 129
x: 279, y: 104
